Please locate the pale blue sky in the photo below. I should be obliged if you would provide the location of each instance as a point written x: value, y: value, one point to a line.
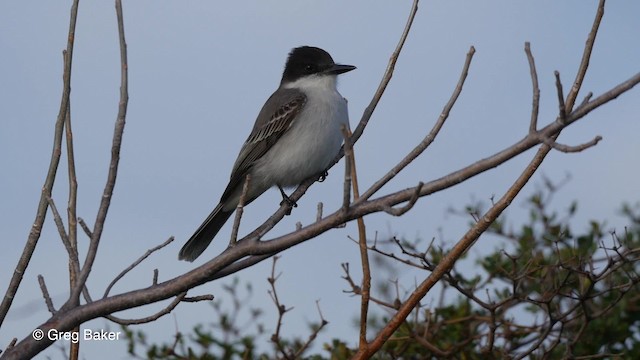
x: 199, y: 73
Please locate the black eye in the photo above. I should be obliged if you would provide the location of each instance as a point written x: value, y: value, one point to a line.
x: 309, y: 69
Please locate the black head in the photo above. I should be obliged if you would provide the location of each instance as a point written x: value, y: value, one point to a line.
x: 308, y: 60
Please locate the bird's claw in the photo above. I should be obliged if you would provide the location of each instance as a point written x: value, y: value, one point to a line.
x: 323, y: 176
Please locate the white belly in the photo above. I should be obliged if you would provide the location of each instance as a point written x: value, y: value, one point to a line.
x: 310, y: 145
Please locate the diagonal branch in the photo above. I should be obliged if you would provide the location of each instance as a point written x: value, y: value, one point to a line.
x: 449, y: 260
x: 424, y: 144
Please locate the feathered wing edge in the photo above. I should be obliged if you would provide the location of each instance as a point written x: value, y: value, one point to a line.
x: 261, y: 139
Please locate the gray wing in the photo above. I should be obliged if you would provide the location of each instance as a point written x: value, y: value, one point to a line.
x: 275, y: 118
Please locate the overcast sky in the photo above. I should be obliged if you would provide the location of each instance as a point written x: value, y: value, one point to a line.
x: 199, y: 73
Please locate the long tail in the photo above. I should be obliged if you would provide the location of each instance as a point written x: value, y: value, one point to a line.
x: 205, y: 233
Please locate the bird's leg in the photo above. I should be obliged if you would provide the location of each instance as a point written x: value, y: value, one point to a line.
x: 286, y: 199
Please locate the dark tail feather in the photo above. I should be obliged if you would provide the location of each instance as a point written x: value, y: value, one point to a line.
x: 205, y: 233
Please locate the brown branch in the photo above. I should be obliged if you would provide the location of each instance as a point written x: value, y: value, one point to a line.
x: 562, y: 107
x: 362, y: 242
x: 41, y: 213
x: 401, y: 211
x: 572, y: 149
x: 449, y: 260
x: 239, y: 211
x: 348, y: 160
x: 136, y: 263
x: 424, y: 144
x: 45, y: 294
x: 166, y: 310
x: 113, y: 165
x: 319, y: 211
x: 535, y: 103
x: 74, y: 263
x: 586, y: 57
x: 368, y: 111
x: 85, y: 228
x: 275, y: 337
x: 313, y: 335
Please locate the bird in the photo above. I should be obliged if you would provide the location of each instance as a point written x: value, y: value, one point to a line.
x: 297, y: 134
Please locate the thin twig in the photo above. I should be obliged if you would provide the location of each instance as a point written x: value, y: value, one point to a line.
x: 368, y: 111
x: 74, y: 263
x: 535, y: 103
x: 447, y: 262
x: 402, y: 210
x: 115, y: 158
x: 136, y: 263
x: 275, y: 337
x: 313, y: 335
x: 45, y: 294
x: 319, y: 211
x: 431, y: 136
x: 562, y: 107
x: 572, y: 149
x: 364, y: 255
x: 586, y: 57
x: 348, y: 160
x: 60, y: 226
x: 85, y: 228
x: 239, y: 210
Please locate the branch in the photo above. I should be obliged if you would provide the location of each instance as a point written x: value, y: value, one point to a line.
x: 115, y: 160
x: 424, y: 144
x: 535, y: 105
x: 386, y: 77
x: 136, y: 263
x: 348, y: 161
x: 239, y: 210
x: 45, y: 294
x: 586, y: 57
x: 449, y: 260
x: 41, y: 213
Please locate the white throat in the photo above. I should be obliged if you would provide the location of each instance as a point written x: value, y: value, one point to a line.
x: 314, y: 83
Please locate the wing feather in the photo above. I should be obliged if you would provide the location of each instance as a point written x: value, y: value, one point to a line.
x: 266, y: 132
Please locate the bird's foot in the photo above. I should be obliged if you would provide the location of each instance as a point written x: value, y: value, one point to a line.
x: 323, y: 176
x: 286, y: 199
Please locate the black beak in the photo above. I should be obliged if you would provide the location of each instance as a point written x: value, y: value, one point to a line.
x: 339, y: 69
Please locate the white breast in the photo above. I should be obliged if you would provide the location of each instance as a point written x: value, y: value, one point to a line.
x: 314, y: 138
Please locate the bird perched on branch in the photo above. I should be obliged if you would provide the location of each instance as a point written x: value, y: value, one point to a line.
x: 296, y: 135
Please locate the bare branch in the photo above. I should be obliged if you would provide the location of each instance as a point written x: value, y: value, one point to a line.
x: 572, y: 149
x: 275, y: 337
x: 400, y: 211
x: 348, y: 160
x: 424, y: 144
x: 535, y: 103
x: 386, y: 77
x: 136, y: 263
x: 45, y: 294
x: 561, y: 105
x: 85, y: 228
x: 319, y: 211
x: 115, y: 158
x: 239, y: 210
x: 586, y: 57
x: 151, y: 318
x: 41, y: 213
x: 313, y: 335
x: 450, y: 258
